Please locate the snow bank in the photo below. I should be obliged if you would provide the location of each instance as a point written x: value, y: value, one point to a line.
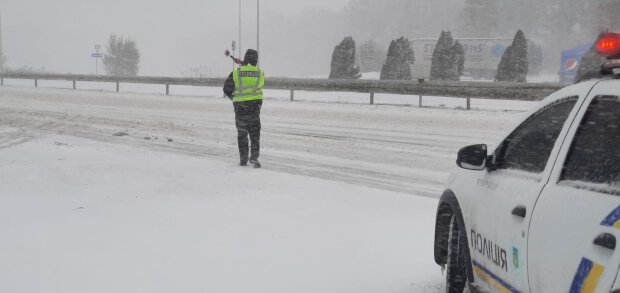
x: 402, y: 149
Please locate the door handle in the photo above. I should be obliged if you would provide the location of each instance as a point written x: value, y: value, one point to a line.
x: 606, y: 240
x: 519, y: 211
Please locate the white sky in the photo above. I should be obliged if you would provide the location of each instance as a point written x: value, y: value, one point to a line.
x: 172, y: 35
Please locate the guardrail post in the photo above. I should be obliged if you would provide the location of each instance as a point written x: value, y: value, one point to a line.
x: 118, y: 86
x: 420, y: 101
x: 167, y: 89
x: 74, y: 84
x: 292, y: 95
x: 468, y: 104
x: 36, y: 82
x: 372, y: 98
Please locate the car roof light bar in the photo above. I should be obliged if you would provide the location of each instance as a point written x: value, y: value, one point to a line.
x: 608, y: 45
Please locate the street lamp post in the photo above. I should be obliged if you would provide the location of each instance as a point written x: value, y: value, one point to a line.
x: 239, y: 29
x: 258, y: 28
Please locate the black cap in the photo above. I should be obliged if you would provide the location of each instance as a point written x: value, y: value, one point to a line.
x: 251, y: 57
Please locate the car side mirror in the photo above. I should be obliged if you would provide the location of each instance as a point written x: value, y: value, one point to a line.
x: 473, y: 157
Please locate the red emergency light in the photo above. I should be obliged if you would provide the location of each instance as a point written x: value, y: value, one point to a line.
x: 608, y: 45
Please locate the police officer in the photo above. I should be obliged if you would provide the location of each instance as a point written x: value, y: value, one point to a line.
x: 244, y: 87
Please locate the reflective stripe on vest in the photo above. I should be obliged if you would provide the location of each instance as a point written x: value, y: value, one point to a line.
x: 248, y: 84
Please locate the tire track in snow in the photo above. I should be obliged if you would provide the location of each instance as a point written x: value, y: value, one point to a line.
x: 391, y: 157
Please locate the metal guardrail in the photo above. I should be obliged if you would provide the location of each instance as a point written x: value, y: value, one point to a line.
x: 420, y: 88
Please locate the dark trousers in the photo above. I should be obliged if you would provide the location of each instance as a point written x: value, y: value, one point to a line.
x: 247, y: 119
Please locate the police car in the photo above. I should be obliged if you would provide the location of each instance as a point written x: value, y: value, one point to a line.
x: 541, y: 212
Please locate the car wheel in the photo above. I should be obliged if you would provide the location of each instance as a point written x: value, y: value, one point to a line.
x: 456, y: 270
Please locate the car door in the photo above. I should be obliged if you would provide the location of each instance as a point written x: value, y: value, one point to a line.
x: 499, y: 200
x: 576, y: 221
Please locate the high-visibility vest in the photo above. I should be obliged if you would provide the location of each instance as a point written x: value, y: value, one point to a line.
x: 249, y: 83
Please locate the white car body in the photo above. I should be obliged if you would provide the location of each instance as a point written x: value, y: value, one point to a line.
x: 551, y: 248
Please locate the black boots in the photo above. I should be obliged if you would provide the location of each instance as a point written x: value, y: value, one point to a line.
x: 255, y: 163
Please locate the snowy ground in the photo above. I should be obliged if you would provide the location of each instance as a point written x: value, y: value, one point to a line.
x: 135, y: 192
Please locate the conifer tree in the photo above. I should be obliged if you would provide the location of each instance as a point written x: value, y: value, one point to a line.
x: 589, y: 65
x: 441, y: 56
x: 448, y: 61
x: 400, y: 56
x: 343, y: 61
x: 514, y: 63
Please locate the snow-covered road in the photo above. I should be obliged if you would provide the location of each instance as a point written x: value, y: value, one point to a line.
x: 396, y: 148
x: 106, y: 192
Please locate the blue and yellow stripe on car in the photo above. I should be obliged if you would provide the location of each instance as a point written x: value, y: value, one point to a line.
x: 613, y: 219
x: 587, y: 277
x: 493, y: 280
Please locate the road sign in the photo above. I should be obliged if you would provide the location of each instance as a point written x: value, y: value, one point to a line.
x: 97, y: 55
x: 97, y: 48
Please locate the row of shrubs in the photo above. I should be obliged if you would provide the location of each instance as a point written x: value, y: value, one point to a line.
x: 448, y: 60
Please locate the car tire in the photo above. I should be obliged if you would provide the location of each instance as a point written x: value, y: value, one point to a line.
x: 456, y: 269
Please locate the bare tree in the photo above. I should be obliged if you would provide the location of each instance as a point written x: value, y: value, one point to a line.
x: 122, y: 57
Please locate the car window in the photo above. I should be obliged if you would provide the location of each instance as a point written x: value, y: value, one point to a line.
x: 529, y: 146
x: 593, y: 160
